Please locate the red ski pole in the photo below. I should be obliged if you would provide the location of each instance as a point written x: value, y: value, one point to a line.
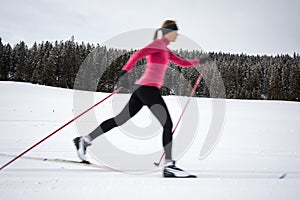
x: 57, y: 130
x: 180, y: 117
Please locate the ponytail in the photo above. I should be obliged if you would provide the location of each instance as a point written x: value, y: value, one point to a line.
x: 156, y: 34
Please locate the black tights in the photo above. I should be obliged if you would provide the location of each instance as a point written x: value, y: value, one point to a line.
x: 143, y: 95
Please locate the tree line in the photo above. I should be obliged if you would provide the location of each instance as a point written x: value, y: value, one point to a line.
x: 73, y: 65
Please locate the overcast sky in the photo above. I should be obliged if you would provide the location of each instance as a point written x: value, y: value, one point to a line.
x: 234, y: 26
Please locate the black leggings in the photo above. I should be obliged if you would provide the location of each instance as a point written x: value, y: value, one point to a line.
x: 143, y: 95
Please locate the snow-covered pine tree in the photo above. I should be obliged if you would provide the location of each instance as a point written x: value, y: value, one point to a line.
x: 3, y: 74
x: 19, y: 61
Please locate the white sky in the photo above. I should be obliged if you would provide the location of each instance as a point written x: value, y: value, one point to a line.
x: 235, y: 26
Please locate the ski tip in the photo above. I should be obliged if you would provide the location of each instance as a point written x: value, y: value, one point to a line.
x: 282, y: 176
x: 156, y: 164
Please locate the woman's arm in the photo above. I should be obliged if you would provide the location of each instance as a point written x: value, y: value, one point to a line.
x: 149, y: 49
x: 181, y: 62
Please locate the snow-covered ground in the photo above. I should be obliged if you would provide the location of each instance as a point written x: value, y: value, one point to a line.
x: 260, y: 140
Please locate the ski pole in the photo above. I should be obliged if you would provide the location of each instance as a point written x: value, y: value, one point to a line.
x: 57, y: 130
x: 181, y: 115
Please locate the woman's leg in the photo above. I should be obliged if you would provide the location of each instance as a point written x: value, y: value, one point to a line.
x: 132, y: 107
x: 151, y: 97
x: 161, y: 112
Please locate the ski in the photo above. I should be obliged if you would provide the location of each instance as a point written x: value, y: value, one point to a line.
x: 242, y: 175
x: 59, y: 160
x: 200, y: 174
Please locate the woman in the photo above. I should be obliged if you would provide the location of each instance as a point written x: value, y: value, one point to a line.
x: 147, y: 94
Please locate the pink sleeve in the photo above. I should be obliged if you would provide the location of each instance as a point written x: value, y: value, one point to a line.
x: 181, y: 62
x: 149, y: 49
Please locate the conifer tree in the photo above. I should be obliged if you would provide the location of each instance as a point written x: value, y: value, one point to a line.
x: 3, y: 72
x: 19, y: 61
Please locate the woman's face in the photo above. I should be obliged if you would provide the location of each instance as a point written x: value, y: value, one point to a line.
x: 172, y: 36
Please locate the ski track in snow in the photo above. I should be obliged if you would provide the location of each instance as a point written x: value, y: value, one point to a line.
x: 260, y: 140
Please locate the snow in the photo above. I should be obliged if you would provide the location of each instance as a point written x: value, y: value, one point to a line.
x: 260, y: 140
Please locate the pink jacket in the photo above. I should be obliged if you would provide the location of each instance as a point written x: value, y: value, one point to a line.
x: 158, y: 57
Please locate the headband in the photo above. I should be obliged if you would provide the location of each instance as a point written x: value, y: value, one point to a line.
x: 169, y: 28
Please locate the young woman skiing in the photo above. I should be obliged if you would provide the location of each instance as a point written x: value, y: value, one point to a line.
x: 147, y: 94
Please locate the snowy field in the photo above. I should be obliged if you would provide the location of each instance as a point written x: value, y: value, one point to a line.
x: 260, y: 141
